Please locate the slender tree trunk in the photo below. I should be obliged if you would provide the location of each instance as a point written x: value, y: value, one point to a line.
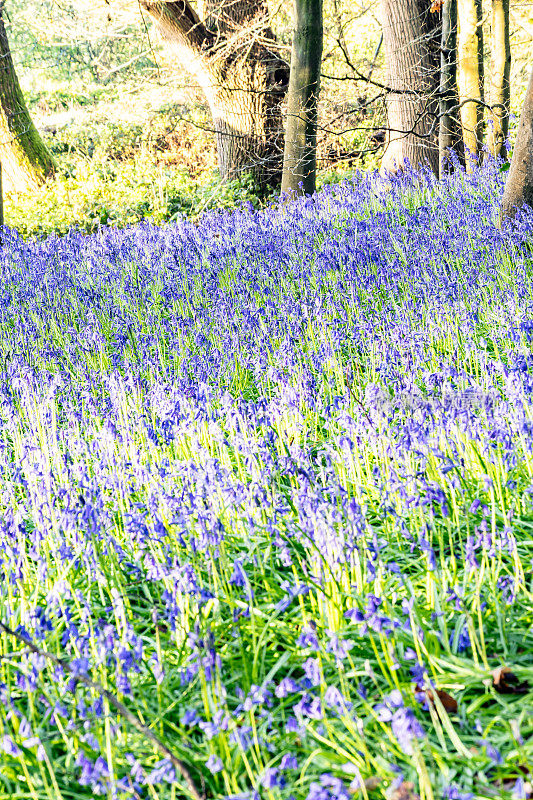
x: 299, y: 162
x: 450, y: 137
x: 470, y: 53
x: 500, y: 91
x: 519, y: 184
x: 1, y: 200
x: 25, y: 159
x: 410, y: 34
x: 232, y: 55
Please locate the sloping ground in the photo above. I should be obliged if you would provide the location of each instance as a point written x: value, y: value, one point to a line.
x: 268, y: 480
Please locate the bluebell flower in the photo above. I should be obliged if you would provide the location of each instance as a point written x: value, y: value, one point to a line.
x: 9, y: 746
x: 308, y: 638
x: 462, y: 638
x: 492, y: 752
x: 242, y: 737
x: 271, y: 778
x: 286, y: 687
x: 291, y: 591
x: 212, y: 728
x: 329, y: 788
x: 162, y: 771
x: 190, y: 717
x: 521, y: 790
x: 308, y: 707
x: 214, y: 764
x: 292, y: 725
x: 312, y: 671
x: 238, y: 577
x: 339, y: 647
x: 404, y: 724
x: 454, y: 793
x: 333, y: 698
x: 289, y: 761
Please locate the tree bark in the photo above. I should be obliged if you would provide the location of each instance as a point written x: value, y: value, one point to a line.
x: 450, y: 137
x: 232, y: 56
x: 500, y: 91
x: 519, y: 184
x: 1, y: 199
x: 299, y: 163
x: 26, y: 161
x: 411, y: 37
x: 470, y: 53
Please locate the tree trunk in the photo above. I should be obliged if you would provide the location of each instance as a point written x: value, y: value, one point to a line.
x: 1, y: 199
x: 299, y: 163
x: 470, y: 54
x: 232, y: 56
x: 450, y: 137
x: 410, y: 34
x: 500, y: 91
x: 519, y: 184
x: 25, y: 159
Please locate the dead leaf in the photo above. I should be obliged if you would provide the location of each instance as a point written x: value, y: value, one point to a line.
x: 506, y: 682
x: 369, y: 783
x: 436, y: 6
x: 405, y: 791
x: 449, y: 702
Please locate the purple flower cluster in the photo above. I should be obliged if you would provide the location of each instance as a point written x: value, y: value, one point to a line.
x: 267, y: 479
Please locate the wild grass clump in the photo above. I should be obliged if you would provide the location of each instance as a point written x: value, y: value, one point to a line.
x: 267, y: 480
x: 88, y: 194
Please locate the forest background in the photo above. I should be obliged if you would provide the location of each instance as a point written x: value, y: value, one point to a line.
x: 131, y: 133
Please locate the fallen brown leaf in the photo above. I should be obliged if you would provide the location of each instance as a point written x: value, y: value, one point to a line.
x: 369, y: 783
x: 506, y: 682
x: 436, y: 6
x: 405, y: 791
x: 449, y: 702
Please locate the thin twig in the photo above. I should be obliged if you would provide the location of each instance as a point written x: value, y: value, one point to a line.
x: 358, y: 401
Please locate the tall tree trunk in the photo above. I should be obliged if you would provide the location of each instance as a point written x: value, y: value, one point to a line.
x: 1, y: 204
x: 470, y: 53
x: 299, y: 163
x: 500, y: 91
x: 411, y: 35
x: 25, y: 159
x: 232, y: 56
x: 450, y: 137
x: 519, y: 184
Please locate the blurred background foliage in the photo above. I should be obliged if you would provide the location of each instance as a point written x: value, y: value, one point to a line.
x: 132, y: 136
